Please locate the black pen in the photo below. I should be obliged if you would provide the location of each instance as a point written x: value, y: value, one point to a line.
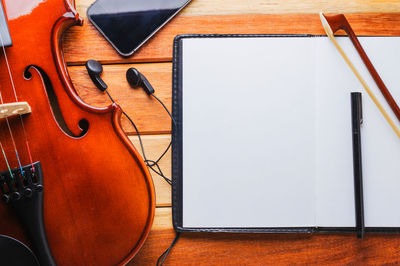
x: 356, y: 121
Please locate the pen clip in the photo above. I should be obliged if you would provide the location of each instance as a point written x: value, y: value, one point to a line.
x: 360, y: 109
x: 357, y: 98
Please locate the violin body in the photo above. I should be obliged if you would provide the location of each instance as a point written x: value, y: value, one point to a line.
x: 98, y: 196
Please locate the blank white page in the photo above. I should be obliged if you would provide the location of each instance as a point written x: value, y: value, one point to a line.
x: 380, y: 145
x: 249, y: 132
x: 267, y: 133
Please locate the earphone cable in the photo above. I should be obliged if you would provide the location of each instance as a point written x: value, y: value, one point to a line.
x: 164, y: 256
x: 149, y: 163
x: 173, y: 121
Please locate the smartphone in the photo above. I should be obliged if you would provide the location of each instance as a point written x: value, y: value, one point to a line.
x: 128, y: 24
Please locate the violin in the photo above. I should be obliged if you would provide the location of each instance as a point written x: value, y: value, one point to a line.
x: 13, y: 252
x: 73, y: 187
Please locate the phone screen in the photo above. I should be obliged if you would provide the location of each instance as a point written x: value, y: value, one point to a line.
x: 127, y: 24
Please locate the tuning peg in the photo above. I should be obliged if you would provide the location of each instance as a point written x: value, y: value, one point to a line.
x: 28, y: 193
x: 5, y: 198
x: 16, y: 196
x: 39, y: 188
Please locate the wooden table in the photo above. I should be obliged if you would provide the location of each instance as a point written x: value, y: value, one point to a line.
x: 154, y: 60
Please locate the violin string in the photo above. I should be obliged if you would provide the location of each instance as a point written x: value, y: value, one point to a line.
x: 16, y: 98
x: 27, y: 144
x: 12, y: 137
x: 5, y: 158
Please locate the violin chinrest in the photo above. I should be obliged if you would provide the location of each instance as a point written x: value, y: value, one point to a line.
x: 15, y: 253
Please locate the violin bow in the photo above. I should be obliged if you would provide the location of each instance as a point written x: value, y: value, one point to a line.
x: 332, y: 24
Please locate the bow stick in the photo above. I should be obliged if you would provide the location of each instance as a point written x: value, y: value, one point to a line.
x: 339, y: 22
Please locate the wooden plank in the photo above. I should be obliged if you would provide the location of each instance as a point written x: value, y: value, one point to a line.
x: 83, y: 43
x: 147, y: 113
x: 160, y: 237
x: 261, y: 249
x: 234, y: 7
x: 154, y: 146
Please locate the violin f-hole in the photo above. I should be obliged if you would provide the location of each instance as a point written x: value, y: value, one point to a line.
x: 83, y: 124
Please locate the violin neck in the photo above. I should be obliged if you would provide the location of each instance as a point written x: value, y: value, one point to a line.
x: 4, y: 31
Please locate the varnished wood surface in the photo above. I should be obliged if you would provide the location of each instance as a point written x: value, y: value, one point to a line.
x: 143, y: 109
x: 93, y: 182
x: 82, y: 44
x: 154, y: 146
x: 231, y: 16
x: 266, y: 249
x: 234, y: 7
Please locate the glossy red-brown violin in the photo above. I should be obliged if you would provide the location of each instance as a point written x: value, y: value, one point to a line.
x: 73, y: 187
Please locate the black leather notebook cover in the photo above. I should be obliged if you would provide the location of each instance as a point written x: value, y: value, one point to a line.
x: 177, y: 157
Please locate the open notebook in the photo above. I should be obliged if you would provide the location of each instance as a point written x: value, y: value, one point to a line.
x: 264, y: 141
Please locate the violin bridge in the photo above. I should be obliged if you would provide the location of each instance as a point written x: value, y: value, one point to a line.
x: 13, y: 109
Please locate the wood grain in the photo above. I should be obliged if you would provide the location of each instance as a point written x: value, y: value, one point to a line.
x: 154, y: 146
x: 147, y: 113
x: 93, y: 179
x: 234, y: 7
x: 83, y: 43
x: 265, y: 249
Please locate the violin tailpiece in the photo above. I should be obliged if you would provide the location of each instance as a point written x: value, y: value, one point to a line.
x: 23, y: 192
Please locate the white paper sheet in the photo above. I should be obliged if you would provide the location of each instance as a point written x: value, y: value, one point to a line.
x: 380, y: 146
x: 267, y: 134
